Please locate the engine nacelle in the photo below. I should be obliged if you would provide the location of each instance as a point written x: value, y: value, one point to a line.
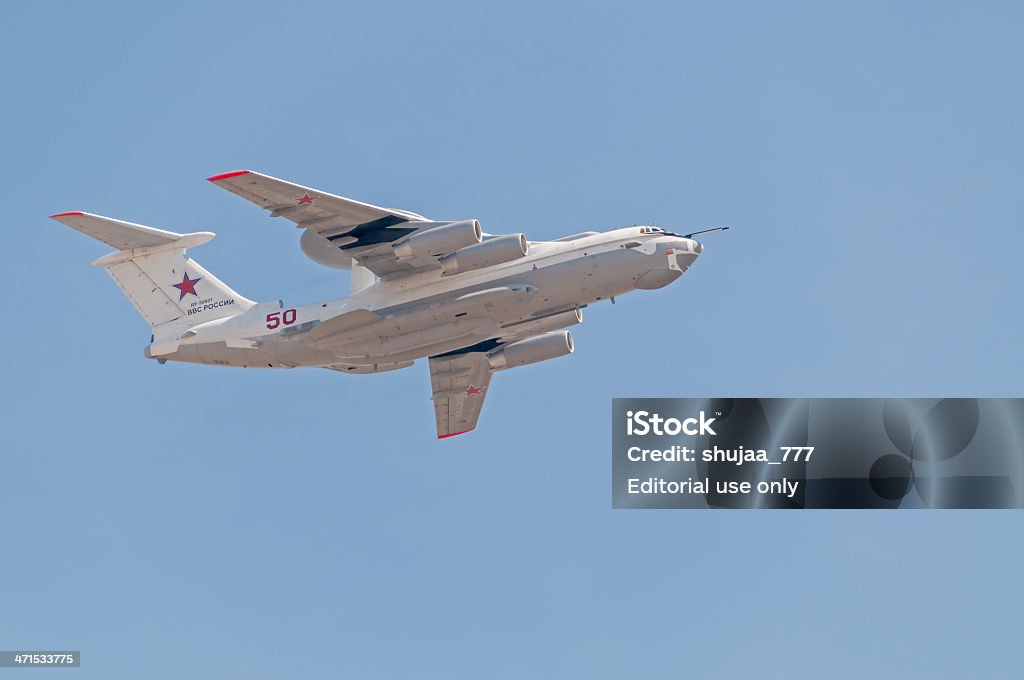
x: 488, y: 253
x: 531, y: 350
x: 440, y: 239
x: 545, y: 324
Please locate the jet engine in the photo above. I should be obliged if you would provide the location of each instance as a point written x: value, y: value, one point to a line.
x: 531, y: 350
x: 437, y: 240
x: 544, y: 324
x: 493, y: 251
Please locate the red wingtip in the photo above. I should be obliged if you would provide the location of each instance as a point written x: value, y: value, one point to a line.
x: 445, y: 436
x: 67, y: 214
x: 227, y: 175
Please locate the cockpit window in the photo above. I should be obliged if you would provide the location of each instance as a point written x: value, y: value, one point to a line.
x: 657, y: 230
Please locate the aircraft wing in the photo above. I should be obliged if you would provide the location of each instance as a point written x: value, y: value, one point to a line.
x: 460, y: 381
x: 341, y: 227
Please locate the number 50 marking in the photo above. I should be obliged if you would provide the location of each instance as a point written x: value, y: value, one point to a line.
x: 286, y: 318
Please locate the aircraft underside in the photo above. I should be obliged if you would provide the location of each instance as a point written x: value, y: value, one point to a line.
x: 474, y: 303
x: 451, y: 321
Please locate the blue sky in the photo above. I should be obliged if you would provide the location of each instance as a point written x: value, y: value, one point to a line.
x: 185, y: 520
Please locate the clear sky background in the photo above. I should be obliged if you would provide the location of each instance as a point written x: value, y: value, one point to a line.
x: 189, y: 521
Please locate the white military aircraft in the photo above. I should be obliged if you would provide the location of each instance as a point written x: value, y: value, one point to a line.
x: 472, y: 302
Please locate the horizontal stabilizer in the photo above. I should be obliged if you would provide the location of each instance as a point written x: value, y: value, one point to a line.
x: 117, y: 233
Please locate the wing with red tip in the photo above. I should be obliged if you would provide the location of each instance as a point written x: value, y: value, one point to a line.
x: 460, y: 382
x: 341, y: 227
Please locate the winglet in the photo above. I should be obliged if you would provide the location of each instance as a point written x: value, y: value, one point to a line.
x: 73, y: 213
x: 227, y: 175
x: 445, y: 436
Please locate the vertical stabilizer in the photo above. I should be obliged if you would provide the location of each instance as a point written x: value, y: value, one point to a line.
x: 168, y: 288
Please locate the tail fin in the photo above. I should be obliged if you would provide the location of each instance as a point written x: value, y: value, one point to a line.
x: 150, y: 266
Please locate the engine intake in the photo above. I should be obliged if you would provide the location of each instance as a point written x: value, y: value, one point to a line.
x: 439, y: 239
x: 493, y: 251
x: 532, y: 350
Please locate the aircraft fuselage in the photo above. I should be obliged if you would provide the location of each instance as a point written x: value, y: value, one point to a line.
x: 425, y: 314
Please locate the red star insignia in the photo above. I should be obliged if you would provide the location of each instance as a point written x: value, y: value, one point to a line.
x: 306, y: 199
x: 471, y: 390
x: 187, y: 285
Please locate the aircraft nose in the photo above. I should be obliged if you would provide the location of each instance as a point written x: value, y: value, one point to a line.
x: 688, y: 245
